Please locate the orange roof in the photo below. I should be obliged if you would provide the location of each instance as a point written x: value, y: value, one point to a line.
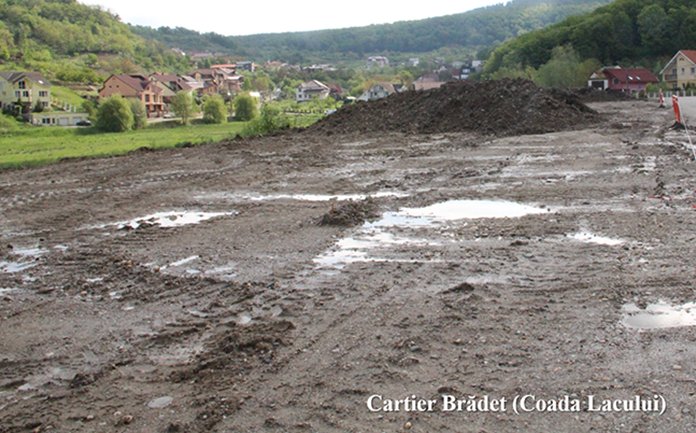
x: 691, y: 54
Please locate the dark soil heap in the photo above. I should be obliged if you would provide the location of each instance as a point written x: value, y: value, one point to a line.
x: 500, y: 107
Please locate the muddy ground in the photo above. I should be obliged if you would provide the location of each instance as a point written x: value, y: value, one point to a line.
x: 261, y: 318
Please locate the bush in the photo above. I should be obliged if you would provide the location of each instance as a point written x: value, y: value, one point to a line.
x: 184, y: 106
x: 245, y: 107
x: 139, y: 113
x: 270, y: 121
x: 114, y: 115
x: 214, y: 110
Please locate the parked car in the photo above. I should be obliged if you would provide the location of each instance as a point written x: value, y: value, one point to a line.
x: 84, y: 123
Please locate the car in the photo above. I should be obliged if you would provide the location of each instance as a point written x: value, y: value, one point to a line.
x: 84, y: 123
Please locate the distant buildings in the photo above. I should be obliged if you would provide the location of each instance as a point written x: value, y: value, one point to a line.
x: 24, y: 88
x: 377, y: 62
x: 629, y: 80
x: 312, y: 90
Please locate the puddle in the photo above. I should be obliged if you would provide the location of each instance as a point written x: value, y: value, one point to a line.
x: 299, y: 197
x: 224, y: 273
x: 7, y: 290
x: 387, y: 233
x: 471, y: 209
x: 243, y: 319
x: 14, y: 267
x: 169, y: 219
x: 659, y: 315
x: 181, y: 262
x: 592, y: 238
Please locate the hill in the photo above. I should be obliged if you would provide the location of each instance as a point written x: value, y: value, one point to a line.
x: 70, y: 41
x: 479, y: 28
x: 624, y: 32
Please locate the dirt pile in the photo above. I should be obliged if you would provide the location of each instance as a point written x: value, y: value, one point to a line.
x: 590, y: 94
x: 502, y: 107
x: 350, y: 213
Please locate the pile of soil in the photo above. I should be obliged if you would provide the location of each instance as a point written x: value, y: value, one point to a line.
x: 350, y: 213
x: 500, y: 107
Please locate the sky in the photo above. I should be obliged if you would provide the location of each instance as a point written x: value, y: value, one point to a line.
x: 255, y: 16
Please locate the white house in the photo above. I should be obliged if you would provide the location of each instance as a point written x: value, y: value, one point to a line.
x: 379, y: 91
x: 312, y: 90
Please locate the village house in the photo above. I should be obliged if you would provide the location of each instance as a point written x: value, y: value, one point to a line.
x: 427, y: 82
x: 680, y: 71
x: 377, y: 62
x: 135, y: 87
x: 379, y: 91
x: 219, y: 79
x: 30, y: 89
x: 312, y: 90
x: 629, y: 80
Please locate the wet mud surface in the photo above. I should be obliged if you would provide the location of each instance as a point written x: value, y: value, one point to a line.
x: 196, y: 290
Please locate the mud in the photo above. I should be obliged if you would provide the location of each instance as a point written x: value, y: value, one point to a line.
x: 240, y: 323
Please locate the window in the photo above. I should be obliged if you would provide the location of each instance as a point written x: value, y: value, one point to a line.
x: 22, y: 84
x: 43, y: 94
x: 693, y: 71
x: 45, y: 121
x: 18, y: 94
x: 25, y: 93
x: 147, y: 98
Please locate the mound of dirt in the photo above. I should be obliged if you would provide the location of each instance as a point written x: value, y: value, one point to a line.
x: 590, y: 94
x: 350, y: 213
x: 500, y: 107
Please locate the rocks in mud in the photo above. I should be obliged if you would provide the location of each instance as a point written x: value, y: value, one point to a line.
x: 495, y: 107
x: 350, y: 213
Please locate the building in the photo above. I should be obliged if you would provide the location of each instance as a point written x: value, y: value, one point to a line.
x: 246, y: 66
x: 427, y: 82
x: 629, y: 80
x: 379, y: 91
x: 311, y: 90
x: 139, y: 87
x: 58, y: 118
x: 30, y: 89
x: 377, y: 62
x: 680, y: 71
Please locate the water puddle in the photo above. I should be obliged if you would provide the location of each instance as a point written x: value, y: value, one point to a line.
x: 659, y: 315
x: 387, y: 234
x: 472, y: 209
x: 8, y: 290
x: 14, y: 267
x: 299, y: 197
x: 591, y: 238
x: 181, y: 262
x: 169, y: 219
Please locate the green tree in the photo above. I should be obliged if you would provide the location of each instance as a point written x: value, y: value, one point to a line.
x: 184, y: 106
x: 139, y: 113
x: 214, y: 110
x: 653, y: 26
x: 245, y: 107
x: 114, y: 115
x: 565, y: 69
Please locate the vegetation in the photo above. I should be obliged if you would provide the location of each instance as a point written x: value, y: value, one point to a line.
x: 139, y: 113
x: 184, y: 106
x: 114, y: 115
x: 271, y: 120
x: 475, y: 29
x: 628, y: 32
x: 214, y: 109
x: 27, y: 145
x: 245, y: 107
x: 73, y: 42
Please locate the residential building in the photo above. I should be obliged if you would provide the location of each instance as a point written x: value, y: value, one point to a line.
x: 629, y: 80
x: 246, y: 66
x: 219, y: 79
x: 26, y: 88
x: 427, y: 82
x: 377, y: 62
x: 680, y: 71
x: 311, y: 90
x: 379, y: 91
x: 135, y: 87
x: 58, y: 118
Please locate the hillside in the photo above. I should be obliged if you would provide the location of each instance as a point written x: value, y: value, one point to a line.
x: 624, y: 32
x: 483, y: 27
x: 70, y: 41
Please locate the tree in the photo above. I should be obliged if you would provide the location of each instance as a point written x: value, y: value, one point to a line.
x: 184, y: 106
x: 245, y: 107
x: 139, y: 113
x: 565, y: 69
x: 114, y: 115
x: 653, y: 26
x: 214, y: 110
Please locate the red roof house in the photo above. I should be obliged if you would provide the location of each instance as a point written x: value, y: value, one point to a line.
x: 630, y: 80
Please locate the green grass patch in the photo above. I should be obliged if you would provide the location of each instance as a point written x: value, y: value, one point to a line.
x: 29, y: 146
x: 64, y: 95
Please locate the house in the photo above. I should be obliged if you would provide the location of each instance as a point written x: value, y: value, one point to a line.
x: 379, y: 91
x: 246, y: 66
x: 58, y: 118
x: 30, y: 89
x: 133, y: 86
x: 629, y: 80
x: 681, y: 70
x: 311, y: 90
x: 377, y: 62
x: 427, y: 82
x: 219, y: 79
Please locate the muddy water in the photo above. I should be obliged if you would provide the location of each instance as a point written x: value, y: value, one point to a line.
x: 659, y: 315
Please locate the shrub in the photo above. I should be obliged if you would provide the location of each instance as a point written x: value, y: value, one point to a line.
x: 245, y: 107
x: 114, y: 115
x: 214, y: 110
x: 271, y: 120
x: 184, y: 106
x: 139, y: 113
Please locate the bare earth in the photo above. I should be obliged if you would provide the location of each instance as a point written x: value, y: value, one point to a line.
x: 261, y: 319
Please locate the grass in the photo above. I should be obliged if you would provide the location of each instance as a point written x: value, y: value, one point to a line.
x: 30, y: 146
x: 65, y: 95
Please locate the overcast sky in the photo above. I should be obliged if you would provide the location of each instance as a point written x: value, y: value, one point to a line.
x: 258, y: 16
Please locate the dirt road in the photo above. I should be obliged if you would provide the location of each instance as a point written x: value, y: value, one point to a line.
x: 195, y: 290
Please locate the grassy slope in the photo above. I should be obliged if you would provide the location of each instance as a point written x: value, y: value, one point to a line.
x: 27, y: 146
